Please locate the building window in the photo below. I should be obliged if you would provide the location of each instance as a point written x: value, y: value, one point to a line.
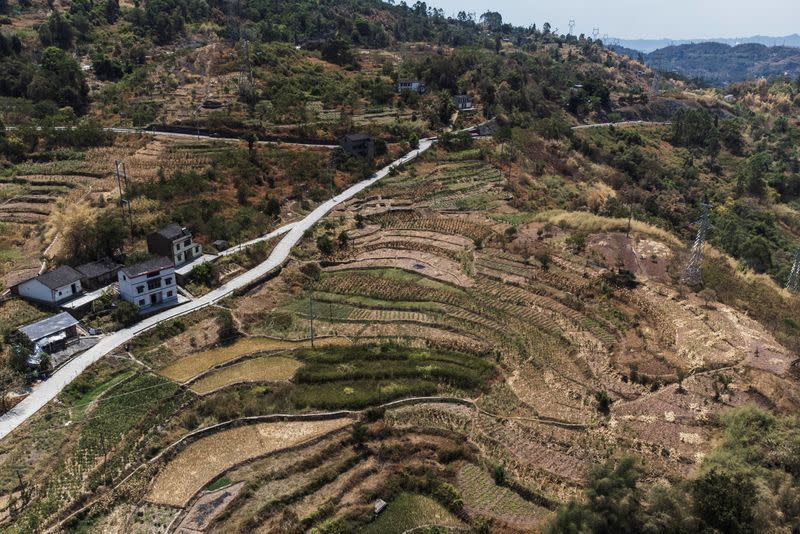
x: 167, y: 281
x: 180, y: 257
x: 169, y: 293
x: 141, y: 302
x: 140, y: 289
x: 153, y: 284
x: 187, y: 242
x: 153, y: 274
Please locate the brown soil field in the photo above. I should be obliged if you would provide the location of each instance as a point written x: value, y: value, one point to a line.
x: 264, y: 369
x: 201, y: 461
x: 207, y: 508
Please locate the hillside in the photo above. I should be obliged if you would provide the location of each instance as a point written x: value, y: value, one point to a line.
x: 720, y: 64
x: 494, y: 337
x: 650, y: 45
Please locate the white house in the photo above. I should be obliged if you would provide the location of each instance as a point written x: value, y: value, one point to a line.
x: 410, y: 85
x: 148, y: 284
x: 174, y: 242
x: 462, y: 102
x: 53, y: 287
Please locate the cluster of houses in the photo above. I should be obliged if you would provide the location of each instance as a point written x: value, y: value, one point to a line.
x: 149, y: 285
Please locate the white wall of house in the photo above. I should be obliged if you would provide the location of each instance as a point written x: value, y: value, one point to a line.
x: 146, y: 291
x: 35, y: 290
x: 184, y: 246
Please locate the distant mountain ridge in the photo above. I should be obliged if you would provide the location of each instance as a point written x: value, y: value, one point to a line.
x: 720, y: 63
x: 650, y: 45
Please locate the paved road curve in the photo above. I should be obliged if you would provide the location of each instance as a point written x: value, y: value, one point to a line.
x: 47, y: 390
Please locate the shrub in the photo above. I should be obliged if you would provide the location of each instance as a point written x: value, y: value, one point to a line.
x: 126, y: 314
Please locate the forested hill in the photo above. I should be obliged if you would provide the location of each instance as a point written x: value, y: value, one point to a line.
x: 719, y: 63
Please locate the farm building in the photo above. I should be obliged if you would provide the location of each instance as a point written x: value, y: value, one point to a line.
x: 149, y: 284
x: 99, y: 273
x: 174, y: 242
x: 53, y: 287
x: 51, y: 334
x: 359, y: 145
x: 462, y: 102
x: 410, y: 85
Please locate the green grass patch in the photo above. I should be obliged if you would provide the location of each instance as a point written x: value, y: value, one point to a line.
x: 219, y: 483
x: 409, y: 510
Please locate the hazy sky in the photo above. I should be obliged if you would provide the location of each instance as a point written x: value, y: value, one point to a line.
x: 675, y: 19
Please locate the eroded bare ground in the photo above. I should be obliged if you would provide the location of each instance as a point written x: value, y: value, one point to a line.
x: 557, y: 326
x: 559, y: 332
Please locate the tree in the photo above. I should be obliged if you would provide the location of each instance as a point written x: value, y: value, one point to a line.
x: 272, y: 208
x: 126, y: 314
x: 343, y: 239
x: 492, y: 20
x: 325, y: 245
x: 752, y: 176
x: 613, y: 503
x: 226, y: 326
x: 695, y: 128
x: 725, y: 501
x: 603, y: 401
x: 338, y: 52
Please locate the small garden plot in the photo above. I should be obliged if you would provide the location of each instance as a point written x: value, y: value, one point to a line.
x: 482, y: 497
x: 427, y: 264
x: 199, y: 463
x: 408, y: 511
x: 263, y: 369
x: 194, y: 364
x: 371, y: 374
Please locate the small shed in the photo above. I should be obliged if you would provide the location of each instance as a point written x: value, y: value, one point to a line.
x: 51, y: 334
x: 359, y: 144
x: 220, y: 245
x: 98, y: 273
x: 380, y: 504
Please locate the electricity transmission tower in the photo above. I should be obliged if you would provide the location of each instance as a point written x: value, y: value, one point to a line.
x: 654, y: 88
x: 693, y: 274
x: 246, y: 72
x: 124, y: 193
x: 595, y: 33
x: 571, y: 26
x: 793, y: 284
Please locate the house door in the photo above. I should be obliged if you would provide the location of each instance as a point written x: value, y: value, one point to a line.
x: 74, y: 288
x: 153, y: 299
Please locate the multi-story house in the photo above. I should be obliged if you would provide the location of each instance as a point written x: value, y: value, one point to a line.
x: 149, y: 284
x: 174, y: 242
x: 410, y: 85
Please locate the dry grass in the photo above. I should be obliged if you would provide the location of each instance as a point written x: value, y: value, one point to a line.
x: 595, y: 223
x: 194, y: 364
x: 264, y: 369
x: 199, y: 463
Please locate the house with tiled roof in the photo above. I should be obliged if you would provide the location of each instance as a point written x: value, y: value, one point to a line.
x: 53, y: 287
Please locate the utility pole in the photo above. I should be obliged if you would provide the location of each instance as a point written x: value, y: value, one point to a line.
x: 630, y: 220
x: 124, y: 193
x: 793, y: 284
x: 693, y: 275
x: 246, y: 72
x: 311, y: 313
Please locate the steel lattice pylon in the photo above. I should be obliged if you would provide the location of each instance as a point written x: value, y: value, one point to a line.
x: 693, y: 275
x: 793, y: 284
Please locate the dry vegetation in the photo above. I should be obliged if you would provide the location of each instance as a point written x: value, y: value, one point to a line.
x: 201, y: 461
x: 263, y: 369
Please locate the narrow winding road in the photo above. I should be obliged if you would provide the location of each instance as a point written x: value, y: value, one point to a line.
x: 48, y: 390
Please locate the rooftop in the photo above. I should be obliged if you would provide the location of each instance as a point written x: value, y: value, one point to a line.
x: 355, y: 137
x: 98, y: 268
x: 174, y: 231
x: 63, y: 276
x: 154, y: 264
x: 49, y: 326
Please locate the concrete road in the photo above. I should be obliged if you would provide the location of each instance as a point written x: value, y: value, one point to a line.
x: 623, y: 123
x: 48, y: 389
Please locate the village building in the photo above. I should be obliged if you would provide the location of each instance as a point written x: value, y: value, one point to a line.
x: 359, y: 145
x: 174, y: 242
x: 149, y: 284
x: 410, y: 85
x: 98, y: 274
x: 50, y: 335
x: 53, y: 287
x: 462, y: 102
